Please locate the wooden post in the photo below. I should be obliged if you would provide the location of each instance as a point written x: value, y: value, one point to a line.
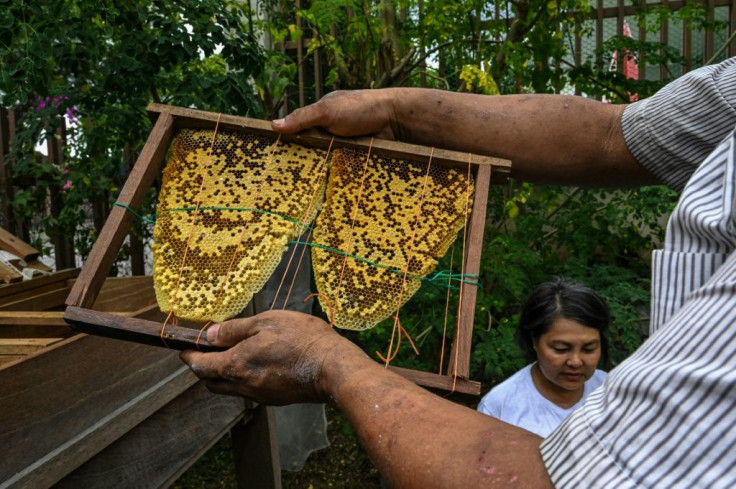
x: 461, y: 347
x: 63, y: 243
x: 8, y: 119
x: 256, y: 450
x: 6, y: 190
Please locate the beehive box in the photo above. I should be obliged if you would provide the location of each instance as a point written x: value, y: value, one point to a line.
x: 87, y: 411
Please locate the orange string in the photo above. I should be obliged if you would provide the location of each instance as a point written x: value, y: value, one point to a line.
x: 329, y: 305
x: 163, y: 328
x: 405, y: 272
x: 322, y: 173
x: 401, y: 330
x: 199, y: 336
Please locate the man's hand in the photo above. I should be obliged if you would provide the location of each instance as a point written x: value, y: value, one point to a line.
x: 346, y: 113
x: 275, y: 358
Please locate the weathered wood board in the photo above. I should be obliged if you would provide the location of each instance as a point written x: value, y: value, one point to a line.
x: 87, y: 411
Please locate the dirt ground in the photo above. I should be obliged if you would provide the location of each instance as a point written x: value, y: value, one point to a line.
x: 342, y: 465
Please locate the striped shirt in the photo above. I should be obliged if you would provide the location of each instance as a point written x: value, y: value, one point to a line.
x: 666, y: 417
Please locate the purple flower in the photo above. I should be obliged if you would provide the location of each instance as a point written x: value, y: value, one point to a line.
x: 55, y: 101
x: 67, y: 185
x: 71, y: 114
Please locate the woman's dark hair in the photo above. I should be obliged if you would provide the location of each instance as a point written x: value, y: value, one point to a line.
x: 564, y: 298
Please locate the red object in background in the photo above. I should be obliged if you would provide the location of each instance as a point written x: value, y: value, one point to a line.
x: 630, y: 68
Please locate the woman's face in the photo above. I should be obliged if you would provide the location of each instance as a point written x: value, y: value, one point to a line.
x: 568, y: 353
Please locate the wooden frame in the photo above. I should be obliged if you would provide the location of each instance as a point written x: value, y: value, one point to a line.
x: 149, y: 166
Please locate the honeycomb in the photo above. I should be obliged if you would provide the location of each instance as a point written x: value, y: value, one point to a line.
x: 224, y: 220
x: 398, y: 224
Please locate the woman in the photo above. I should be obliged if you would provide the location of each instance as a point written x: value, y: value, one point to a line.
x: 562, y: 332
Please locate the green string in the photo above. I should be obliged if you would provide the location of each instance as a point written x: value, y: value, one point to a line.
x: 441, y: 278
x: 212, y: 208
x: 144, y: 219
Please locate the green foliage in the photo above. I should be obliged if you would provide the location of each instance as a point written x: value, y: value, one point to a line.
x: 99, y: 64
x: 601, y: 238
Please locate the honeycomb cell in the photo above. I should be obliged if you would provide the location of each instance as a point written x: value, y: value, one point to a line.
x: 225, y: 215
x: 387, y: 218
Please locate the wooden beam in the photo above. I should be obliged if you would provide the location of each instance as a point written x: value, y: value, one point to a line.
x: 9, y: 275
x: 441, y: 382
x: 37, y: 283
x: 462, y: 345
x: 16, y: 246
x: 136, y: 330
x: 24, y: 346
x: 38, y: 301
x: 191, y: 118
x: 23, y: 318
x: 33, y: 324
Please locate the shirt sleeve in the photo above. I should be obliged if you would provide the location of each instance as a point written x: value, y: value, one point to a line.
x: 671, y: 132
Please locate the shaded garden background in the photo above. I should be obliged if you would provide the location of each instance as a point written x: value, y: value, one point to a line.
x: 84, y: 71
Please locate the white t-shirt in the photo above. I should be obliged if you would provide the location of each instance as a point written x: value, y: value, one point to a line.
x: 518, y: 402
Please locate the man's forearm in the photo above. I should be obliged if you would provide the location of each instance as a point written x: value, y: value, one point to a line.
x: 555, y: 139
x: 419, y: 440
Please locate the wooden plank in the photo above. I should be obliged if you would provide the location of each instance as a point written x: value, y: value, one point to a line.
x: 136, y: 330
x: 256, y: 451
x: 25, y: 324
x: 24, y: 346
x: 192, y: 118
x: 16, y: 246
x: 125, y: 294
x: 38, y: 282
x: 117, y: 225
x: 10, y: 358
x: 440, y: 382
x: 53, y: 299
x: 462, y: 345
x: 33, y: 293
x: 9, y: 274
x: 60, y: 407
x: 26, y: 318
x: 159, y: 449
x: 38, y: 265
